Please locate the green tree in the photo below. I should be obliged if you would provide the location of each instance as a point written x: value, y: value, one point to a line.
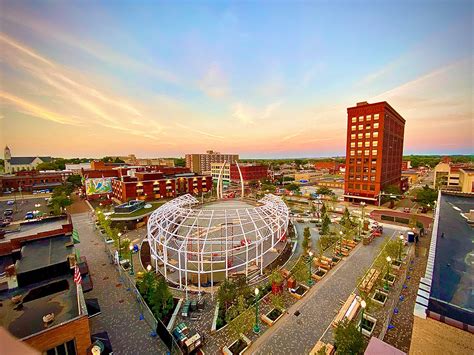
x: 323, y: 190
x: 426, y: 195
x: 306, y: 239
x: 277, y: 302
x: 226, y: 293
x: 348, y: 339
x: 161, y: 299
x: 293, y: 187
x: 325, y: 225
x: 180, y: 162
x: 75, y: 180
x: 323, y: 210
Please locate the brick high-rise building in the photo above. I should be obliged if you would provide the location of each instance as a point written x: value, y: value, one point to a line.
x: 374, y: 150
x: 201, y: 163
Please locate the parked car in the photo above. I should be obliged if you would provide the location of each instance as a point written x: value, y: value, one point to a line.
x: 4, y: 222
x: 406, y: 210
x: 10, y: 202
x: 29, y: 215
x: 8, y: 212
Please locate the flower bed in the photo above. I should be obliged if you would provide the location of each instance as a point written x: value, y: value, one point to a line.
x: 380, y: 297
x: 335, y: 259
x: 367, y: 324
x: 390, y: 279
x: 299, y: 291
x: 396, y: 265
x: 237, y: 347
x: 273, y: 316
x: 319, y: 274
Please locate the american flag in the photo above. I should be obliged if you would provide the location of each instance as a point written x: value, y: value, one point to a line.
x: 77, y: 275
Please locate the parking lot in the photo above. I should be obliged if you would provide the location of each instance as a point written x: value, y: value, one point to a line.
x: 24, y: 205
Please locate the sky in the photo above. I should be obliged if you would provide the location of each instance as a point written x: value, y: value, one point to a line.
x: 264, y: 79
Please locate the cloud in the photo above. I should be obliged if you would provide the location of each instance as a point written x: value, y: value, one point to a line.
x: 248, y: 115
x: 291, y: 136
x: 194, y: 130
x: 214, y: 82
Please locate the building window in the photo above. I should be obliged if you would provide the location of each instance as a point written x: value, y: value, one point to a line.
x: 376, y: 125
x: 353, y: 128
x: 374, y: 161
x: 68, y: 348
x: 352, y: 152
x: 367, y: 144
x: 360, y: 135
x: 359, y: 144
x: 374, y: 152
x: 353, y: 144
x: 366, y: 152
x: 357, y: 186
x: 372, y: 188
x: 353, y: 136
x: 359, y: 161
x: 376, y: 134
x: 367, y: 135
x: 359, y: 152
x: 361, y: 118
x: 367, y: 126
x: 351, y: 186
x: 364, y: 187
x: 372, y: 178
x: 375, y: 143
x: 368, y: 117
x: 354, y: 119
x: 361, y: 127
x: 376, y: 117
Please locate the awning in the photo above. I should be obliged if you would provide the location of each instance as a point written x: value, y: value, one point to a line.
x: 75, y: 237
x: 361, y: 197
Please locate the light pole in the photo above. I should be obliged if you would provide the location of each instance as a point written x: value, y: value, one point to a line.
x: 401, y: 247
x: 256, y: 327
x: 389, y: 260
x: 148, y: 268
x: 131, y: 260
x: 310, y: 260
x: 340, y: 242
x: 363, y: 304
x: 119, y: 245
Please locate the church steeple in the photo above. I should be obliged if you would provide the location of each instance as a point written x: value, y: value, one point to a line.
x: 6, y: 153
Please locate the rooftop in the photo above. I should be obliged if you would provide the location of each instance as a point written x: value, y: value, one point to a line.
x: 450, y: 270
x: 36, y: 227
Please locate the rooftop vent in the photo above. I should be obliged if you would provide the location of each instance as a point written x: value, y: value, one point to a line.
x: 363, y: 103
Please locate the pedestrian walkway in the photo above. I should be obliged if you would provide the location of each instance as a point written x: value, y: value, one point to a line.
x: 297, y: 334
x: 120, y: 314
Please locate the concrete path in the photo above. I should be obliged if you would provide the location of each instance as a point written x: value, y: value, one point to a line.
x: 120, y: 314
x: 298, y: 334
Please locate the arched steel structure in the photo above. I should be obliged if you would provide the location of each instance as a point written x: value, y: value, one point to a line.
x: 203, y: 244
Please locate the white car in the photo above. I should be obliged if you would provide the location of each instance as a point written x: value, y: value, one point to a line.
x: 10, y: 202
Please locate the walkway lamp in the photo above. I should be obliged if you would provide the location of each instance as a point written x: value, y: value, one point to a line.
x: 256, y: 327
x: 389, y: 260
x: 340, y: 241
x: 401, y: 247
x: 310, y: 260
x: 119, y: 245
x: 148, y: 268
x: 131, y: 260
x: 363, y: 304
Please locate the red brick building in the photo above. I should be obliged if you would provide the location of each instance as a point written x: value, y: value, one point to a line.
x: 30, y: 181
x: 250, y: 172
x: 374, y: 150
x: 332, y: 166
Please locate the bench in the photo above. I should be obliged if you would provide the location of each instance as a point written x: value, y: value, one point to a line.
x: 348, y: 310
x: 369, y: 280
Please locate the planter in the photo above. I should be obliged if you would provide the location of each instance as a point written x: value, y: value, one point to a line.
x: 299, y: 291
x: 380, y: 297
x: 368, y: 325
x: 318, y: 275
x: 273, y: 316
x: 390, y: 279
x: 335, y: 259
x: 237, y: 347
x: 396, y: 265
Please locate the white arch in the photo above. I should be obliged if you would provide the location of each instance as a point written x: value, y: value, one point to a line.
x: 241, y: 179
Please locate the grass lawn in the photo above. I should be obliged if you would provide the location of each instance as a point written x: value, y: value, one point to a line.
x: 139, y: 212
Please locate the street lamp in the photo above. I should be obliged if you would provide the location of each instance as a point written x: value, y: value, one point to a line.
x: 119, y: 244
x: 401, y: 247
x: 310, y: 260
x: 340, y: 242
x: 256, y: 327
x: 131, y: 260
x: 363, y: 304
x: 148, y: 268
x: 389, y: 260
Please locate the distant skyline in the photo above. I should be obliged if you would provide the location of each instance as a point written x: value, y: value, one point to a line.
x: 268, y: 79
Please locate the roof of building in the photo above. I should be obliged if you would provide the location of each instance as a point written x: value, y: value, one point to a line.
x: 27, y: 160
x: 446, y: 288
x: 377, y: 346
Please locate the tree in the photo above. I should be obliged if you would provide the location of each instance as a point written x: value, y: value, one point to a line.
x: 323, y: 190
x: 75, y: 180
x: 323, y: 210
x: 325, y: 225
x: 306, y: 239
x: 179, y: 162
x: 293, y: 187
x: 426, y: 195
x: 161, y: 299
x: 277, y: 302
x: 348, y: 339
x: 226, y: 293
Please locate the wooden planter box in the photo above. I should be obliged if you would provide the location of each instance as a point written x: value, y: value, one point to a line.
x: 396, y: 265
x: 335, y: 259
x: 273, y: 316
x: 318, y: 275
x: 391, y: 279
x: 238, y: 347
x: 299, y: 291
x: 380, y: 297
x: 368, y: 325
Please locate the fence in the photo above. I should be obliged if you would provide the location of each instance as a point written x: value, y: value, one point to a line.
x: 397, y: 291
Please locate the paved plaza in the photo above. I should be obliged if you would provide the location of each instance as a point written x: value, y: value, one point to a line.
x: 120, y: 315
x: 298, y: 334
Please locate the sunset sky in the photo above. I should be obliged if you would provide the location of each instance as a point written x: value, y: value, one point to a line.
x: 262, y: 79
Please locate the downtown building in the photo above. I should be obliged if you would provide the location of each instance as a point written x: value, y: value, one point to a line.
x: 230, y: 172
x: 201, y: 163
x: 374, y: 151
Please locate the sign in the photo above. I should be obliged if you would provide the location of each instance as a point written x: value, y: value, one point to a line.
x: 98, y: 186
